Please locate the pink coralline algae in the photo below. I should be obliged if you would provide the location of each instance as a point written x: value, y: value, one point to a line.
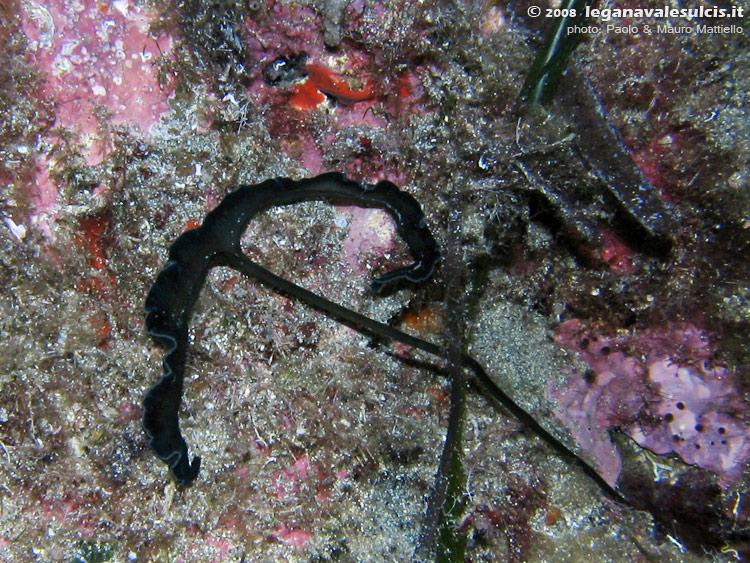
x: 292, y: 536
x: 370, y: 231
x: 616, y: 254
x: 43, y: 198
x: 660, y: 388
x: 287, y: 481
x: 97, y: 54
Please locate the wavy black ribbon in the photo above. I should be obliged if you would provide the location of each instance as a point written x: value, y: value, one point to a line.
x: 217, y: 243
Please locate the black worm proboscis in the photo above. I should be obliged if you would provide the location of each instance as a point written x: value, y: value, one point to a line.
x: 217, y: 243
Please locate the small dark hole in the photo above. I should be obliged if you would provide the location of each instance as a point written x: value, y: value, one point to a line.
x: 605, y: 350
x: 669, y: 417
x: 589, y: 376
x: 681, y: 406
x: 722, y: 430
x: 699, y: 428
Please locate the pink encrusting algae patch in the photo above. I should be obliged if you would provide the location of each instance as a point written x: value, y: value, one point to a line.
x: 43, y: 199
x: 97, y: 54
x: 93, y: 56
x: 369, y: 231
x: 659, y: 387
x: 616, y: 254
x: 287, y: 481
x: 292, y: 536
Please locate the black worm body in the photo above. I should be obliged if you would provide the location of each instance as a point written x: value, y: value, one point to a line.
x: 217, y: 243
